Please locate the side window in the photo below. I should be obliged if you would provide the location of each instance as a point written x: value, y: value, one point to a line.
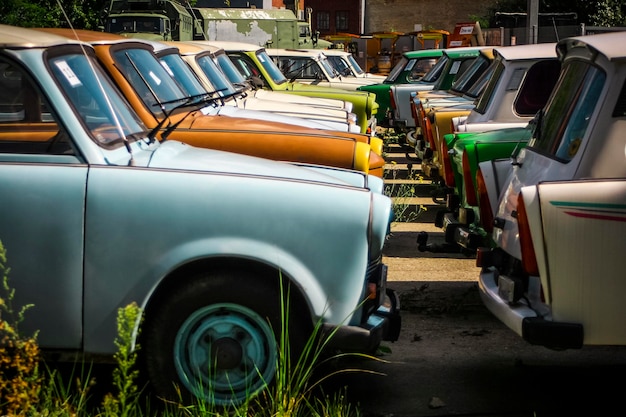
x: 26, y: 124
x: 563, y: 124
x: 536, y: 87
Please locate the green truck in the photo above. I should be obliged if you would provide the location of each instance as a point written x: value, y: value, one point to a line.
x: 270, y: 28
x: 149, y: 19
x: 177, y: 20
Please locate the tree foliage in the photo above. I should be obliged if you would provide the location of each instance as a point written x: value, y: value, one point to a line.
x: 82, y: 14
x: 593, y: 13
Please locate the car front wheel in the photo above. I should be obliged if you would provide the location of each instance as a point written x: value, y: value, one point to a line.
x: 215, y: 338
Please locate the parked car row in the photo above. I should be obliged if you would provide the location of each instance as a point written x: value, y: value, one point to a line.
x: 259, y: 68
x: 558, y: 208
x: 104, y: 204
x: 536, y: 174
x: 519, y: 82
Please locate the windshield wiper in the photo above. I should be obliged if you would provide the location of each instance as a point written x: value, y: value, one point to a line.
x: 196, y: 101
x: 186, y: 101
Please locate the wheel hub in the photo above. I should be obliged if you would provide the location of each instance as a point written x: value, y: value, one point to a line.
x: 226, y: 353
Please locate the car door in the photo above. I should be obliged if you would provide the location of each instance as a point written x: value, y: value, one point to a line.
x: 584, y: 226
x: 42, y: 194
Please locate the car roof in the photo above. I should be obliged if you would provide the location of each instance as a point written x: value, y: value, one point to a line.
x: 189, y: 48
x: 96, y: 37
x: 236, y: 46
x: 19, y: 37
x: 334, y: 52
x: 610, y: 45
x: 205, y: 45
x: 539, y: 50
x: 84, y: 35
x: 295, y: 52
x: 464, y: 51
x: 423, y: 53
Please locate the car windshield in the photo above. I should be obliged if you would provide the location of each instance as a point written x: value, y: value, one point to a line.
x: 271, y: 68
x: 219, y: 81
x: 562, y: 126
x: 497, y: 69
x: 177, y: 68
x: 152, y: 82
x: 106, y: 114
x: 229, y: 69
x: 398, y: 68
x: 328, y: 67
x: 354, y: 65
x: 469, y: 77
x: 476, y: 89
x: 340, y: 65
x: 435, y: 72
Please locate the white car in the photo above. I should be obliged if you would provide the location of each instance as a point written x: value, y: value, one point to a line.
x: 311, y: 66
x: 200, y: 63
x: 345, y: 64
x: 523, y: 78
x: 556, y: 275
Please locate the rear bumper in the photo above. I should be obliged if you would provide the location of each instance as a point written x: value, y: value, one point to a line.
x: 458, y: 232
x: 524, y: 321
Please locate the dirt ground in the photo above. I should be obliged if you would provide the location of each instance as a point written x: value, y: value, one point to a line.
x: 454, y: 358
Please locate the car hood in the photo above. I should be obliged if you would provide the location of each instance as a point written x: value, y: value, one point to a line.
x: 181, y: 156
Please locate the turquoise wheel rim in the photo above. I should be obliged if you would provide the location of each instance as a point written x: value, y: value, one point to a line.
x: 225, y: 353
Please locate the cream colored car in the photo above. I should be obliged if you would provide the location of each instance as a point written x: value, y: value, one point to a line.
x: 311, y: 66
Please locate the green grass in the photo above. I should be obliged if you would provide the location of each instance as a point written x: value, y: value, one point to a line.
x: 29, y: 387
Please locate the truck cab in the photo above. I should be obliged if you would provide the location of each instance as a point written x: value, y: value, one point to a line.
x: 163, y: 20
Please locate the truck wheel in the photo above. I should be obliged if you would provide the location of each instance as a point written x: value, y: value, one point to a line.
x: 215, y: 338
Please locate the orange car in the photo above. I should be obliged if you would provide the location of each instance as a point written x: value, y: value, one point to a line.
x: 162, y: 105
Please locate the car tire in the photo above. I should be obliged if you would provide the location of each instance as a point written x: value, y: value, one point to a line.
x: 216, y: 339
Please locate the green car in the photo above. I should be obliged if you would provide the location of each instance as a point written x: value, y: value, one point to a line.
x: 460, y: 221
x: 452, y: 64
x: 255, y: 64
x: 413, y: 65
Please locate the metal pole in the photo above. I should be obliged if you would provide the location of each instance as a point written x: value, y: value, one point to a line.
x: 532, y: 20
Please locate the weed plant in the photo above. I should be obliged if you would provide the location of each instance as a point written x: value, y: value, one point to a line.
x: 401, y: 190
x: 24, y: 390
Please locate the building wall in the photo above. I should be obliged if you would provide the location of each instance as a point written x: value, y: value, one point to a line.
x: 403, y: 15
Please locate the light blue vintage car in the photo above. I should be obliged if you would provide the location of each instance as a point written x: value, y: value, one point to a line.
x: 97, y: 214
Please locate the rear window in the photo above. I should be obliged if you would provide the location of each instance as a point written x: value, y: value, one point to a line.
x: 537, y: 86
x: 488, y: 93
x: 562, y: 127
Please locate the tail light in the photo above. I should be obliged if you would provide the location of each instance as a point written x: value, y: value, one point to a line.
x: 392, y: 100
x: 484, y: 206
x: 420, y: 116
x: 529, y: 259
x: 414, y: 112
x: 427, y: 133
x: 468, y: 182
x: 446, y: 163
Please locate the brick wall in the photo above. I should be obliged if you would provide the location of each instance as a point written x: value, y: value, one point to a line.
x: 402, y: 15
